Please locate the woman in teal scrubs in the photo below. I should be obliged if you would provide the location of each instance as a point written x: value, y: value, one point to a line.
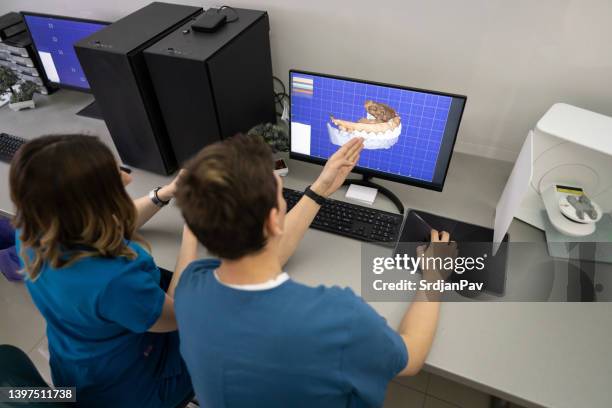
x: 110, y: 326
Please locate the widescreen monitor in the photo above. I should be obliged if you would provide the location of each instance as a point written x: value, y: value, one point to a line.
x: 53, y: 38
x: 409, y: 133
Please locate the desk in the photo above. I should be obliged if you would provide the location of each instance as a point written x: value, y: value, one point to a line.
x: 535, y: 354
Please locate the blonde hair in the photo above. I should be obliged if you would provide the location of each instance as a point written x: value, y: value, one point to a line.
x: 70, y: 202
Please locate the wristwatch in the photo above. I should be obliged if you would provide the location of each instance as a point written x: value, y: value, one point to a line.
x: 314, y: 196
x: 155, y: 198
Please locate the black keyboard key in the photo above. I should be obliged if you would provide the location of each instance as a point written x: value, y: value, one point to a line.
x: 9, y: 145
x: 352, y: 220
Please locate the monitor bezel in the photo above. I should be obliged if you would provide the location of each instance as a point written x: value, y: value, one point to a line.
x: 364, y: 170
x: 77, y: 19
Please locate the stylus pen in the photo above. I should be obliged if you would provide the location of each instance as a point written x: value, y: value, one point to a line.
x: 427, y: 224
x: 422, y: 220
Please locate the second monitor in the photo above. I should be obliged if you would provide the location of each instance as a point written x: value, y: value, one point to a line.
x: 53, y: 38
x: 409, y: 133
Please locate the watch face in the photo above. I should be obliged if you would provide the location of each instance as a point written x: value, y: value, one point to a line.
x: 155, y: 199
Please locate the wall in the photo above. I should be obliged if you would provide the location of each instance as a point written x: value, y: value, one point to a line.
x: 513, y: 59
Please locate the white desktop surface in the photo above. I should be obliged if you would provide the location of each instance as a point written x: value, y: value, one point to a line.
x: 535, y: 354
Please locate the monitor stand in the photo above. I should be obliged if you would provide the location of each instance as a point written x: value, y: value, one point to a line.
x: 366, y: 182
x: 91, y: 111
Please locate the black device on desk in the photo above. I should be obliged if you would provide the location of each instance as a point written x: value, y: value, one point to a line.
x: 9, y: 145
x: 353, y: 221
x: 472, y: 241
x: 408, y: 133
x: 210, y: 21
x: 53, y: 38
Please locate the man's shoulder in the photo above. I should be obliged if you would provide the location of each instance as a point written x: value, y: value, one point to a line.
x: 336, y: 293
x: 196, y: 272
x: 334, y: 298
x: 201, y: 266
x: 345, y: 304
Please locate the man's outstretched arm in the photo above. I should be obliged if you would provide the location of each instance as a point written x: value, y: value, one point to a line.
x: 337, y: 168
x: 419, y: 324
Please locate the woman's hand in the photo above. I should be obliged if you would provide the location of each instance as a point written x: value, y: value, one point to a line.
x: 339, y: 165
x: 166, y: 193
x: 126, y: 177
x: 145, y: 207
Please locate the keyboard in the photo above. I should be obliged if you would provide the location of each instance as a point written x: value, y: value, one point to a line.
x: 9, y: 145
x: 353, y: 221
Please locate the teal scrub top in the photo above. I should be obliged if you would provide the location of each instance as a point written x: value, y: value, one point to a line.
x: 287, y: 346
x: 98, y: 311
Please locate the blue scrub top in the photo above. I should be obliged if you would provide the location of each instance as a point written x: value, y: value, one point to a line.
x: 287, y: 346
x: 98, y: 311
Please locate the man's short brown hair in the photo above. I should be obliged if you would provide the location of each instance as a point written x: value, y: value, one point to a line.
x: 226, y: 195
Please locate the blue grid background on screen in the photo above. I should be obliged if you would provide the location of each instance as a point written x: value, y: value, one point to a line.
x: 57, y: 37
x: 423, y: 117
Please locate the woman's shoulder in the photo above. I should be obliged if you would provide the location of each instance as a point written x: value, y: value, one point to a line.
x: 142, y: 260
x: 108, y: 268
x: 141, y: 254
x: 140, y: 251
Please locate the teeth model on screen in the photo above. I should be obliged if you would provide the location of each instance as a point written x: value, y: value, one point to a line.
x: 380, y: 129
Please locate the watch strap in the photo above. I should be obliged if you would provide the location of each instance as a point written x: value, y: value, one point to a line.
x: 314, y: 196
x: 155, y: 198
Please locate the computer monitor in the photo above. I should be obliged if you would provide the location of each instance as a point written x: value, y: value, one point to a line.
x: 53, y: 38
x: 409, y: 133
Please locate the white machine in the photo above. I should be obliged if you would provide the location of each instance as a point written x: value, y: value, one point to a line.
x: 563, y: 172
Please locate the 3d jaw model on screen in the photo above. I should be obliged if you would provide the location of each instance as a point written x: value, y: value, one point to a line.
x: 380, y: 129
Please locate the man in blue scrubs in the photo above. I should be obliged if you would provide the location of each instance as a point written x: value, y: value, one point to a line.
x: 251, y: 336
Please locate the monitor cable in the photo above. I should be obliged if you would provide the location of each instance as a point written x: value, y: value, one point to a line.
x: 233, y: 10
x: 280, y: 97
